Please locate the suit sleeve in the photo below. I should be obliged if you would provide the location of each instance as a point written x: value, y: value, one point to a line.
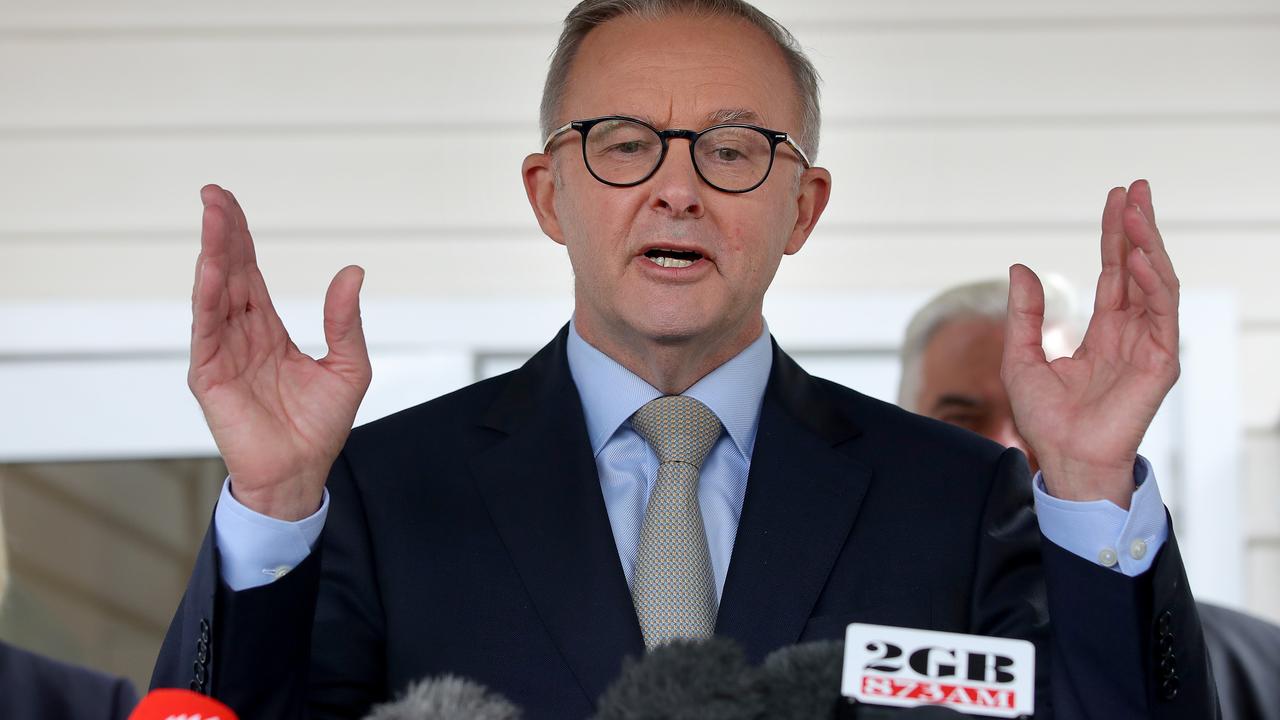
x: 123, y: 699
x: 1107, y: 645
x: 308, y: 645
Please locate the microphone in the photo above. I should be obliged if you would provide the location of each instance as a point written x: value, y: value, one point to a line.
x: 447, y: 698
x: 803, y: 681
x: 175, y: 704
x: 684, y: 680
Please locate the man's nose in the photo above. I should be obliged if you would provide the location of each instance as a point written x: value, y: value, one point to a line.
x: 676, y: 189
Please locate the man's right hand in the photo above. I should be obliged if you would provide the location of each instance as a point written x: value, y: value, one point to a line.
x: 278, y: 416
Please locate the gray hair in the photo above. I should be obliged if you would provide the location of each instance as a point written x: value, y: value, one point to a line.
x: 988, y: 299
x: 590, y: 14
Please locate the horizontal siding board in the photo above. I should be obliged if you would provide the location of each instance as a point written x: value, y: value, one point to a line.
x: 392, y: 181
x: 161, y: 13
x: 495, y: 78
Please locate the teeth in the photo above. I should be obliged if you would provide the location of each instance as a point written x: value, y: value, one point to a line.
x: 670, y: 262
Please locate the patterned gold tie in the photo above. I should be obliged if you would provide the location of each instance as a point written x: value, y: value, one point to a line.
x: 673, y: 588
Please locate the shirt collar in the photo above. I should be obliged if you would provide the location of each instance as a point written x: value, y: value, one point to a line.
x: 611, y: 394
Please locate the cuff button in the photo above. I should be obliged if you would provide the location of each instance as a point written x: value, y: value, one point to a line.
x: 1138, y: 549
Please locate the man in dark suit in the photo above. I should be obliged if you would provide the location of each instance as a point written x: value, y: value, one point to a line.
x: 33, y: 687
x: 661, y: 469
x: 1246, y: 662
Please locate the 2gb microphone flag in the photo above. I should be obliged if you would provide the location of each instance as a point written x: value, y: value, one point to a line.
x: 905, y: 667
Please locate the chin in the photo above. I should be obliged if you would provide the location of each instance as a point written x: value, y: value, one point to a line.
x: 671, y: 327
x: 682, y: 324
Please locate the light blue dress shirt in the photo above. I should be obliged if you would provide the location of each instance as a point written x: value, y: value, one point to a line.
x: 256, y: 549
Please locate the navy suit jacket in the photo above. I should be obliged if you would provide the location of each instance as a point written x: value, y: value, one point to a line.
x: 34, y: 687
x: 1245, y: 653
x: 468, y: 535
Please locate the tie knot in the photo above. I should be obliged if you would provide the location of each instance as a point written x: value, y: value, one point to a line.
x: 678, y: 428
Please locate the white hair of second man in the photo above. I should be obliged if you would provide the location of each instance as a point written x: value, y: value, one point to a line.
x: 987, y: 299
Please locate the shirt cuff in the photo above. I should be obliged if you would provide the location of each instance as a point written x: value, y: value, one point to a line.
x: 1100, y: 532
x: 255, y: 549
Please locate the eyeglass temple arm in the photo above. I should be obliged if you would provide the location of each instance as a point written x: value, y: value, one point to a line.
x: 555, y: 134
x: 787, y: 139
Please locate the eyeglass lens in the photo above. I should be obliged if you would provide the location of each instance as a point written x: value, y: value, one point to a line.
x: 730, y: 158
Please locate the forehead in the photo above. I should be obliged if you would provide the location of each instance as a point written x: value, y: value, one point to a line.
x: 681, y: 70
x: 967, y: 351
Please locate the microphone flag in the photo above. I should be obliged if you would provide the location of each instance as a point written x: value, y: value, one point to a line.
x: 906, y: 667
x: 175, y: 704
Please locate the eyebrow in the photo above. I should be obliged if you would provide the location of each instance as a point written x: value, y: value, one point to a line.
x: 957, y: 401
x: 733, y: 115
x: 717, y: 117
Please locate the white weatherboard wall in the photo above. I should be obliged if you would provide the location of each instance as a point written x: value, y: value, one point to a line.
x: 961, y: 136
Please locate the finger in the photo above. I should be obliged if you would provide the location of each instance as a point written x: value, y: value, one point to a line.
x: 1113, y: 280
x: 1161, y: 302
x: 209, y: 308
x: 1144, y: 234
x: 215, y: 227
x: 237, y: 229
x: 207, y: 243
x: 247, y: 287
x: 343, y: 331
x: 208, y: 291
x: 1025, y: 320
x: 242, y: 228
x: 214, y: 239
x: 1140, y: 195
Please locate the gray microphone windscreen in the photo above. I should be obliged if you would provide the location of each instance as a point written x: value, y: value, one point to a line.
x: 447, y: 698
x: 803, y: 681
x: 684, y: 680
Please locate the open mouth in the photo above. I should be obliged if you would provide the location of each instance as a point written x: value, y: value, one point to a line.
x: 672, y: 258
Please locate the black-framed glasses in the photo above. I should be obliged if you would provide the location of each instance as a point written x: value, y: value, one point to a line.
x: 623, y: 151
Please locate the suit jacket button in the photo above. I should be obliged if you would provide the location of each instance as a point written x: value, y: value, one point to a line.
x: 1170, y: 688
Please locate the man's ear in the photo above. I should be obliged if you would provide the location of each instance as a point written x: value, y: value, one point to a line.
x: 815, y: 191
x: 540, y: 187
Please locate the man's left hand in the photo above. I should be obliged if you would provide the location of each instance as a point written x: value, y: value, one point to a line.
x: 1084, y: 416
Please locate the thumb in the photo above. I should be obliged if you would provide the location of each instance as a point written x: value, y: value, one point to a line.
x: 343, y: 331
x: 1024, y: 321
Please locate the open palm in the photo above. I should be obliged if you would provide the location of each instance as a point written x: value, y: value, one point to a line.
x: 1086, y: 415
x: 278, y: 416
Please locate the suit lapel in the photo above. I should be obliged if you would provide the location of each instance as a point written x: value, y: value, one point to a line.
x: 803, y: 495
x: 543, y: 492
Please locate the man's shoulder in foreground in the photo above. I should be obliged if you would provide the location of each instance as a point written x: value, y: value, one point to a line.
x: 33, y: 686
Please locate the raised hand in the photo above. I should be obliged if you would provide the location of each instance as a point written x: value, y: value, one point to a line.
x: 278, y: 416
x: 1086, y: 415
